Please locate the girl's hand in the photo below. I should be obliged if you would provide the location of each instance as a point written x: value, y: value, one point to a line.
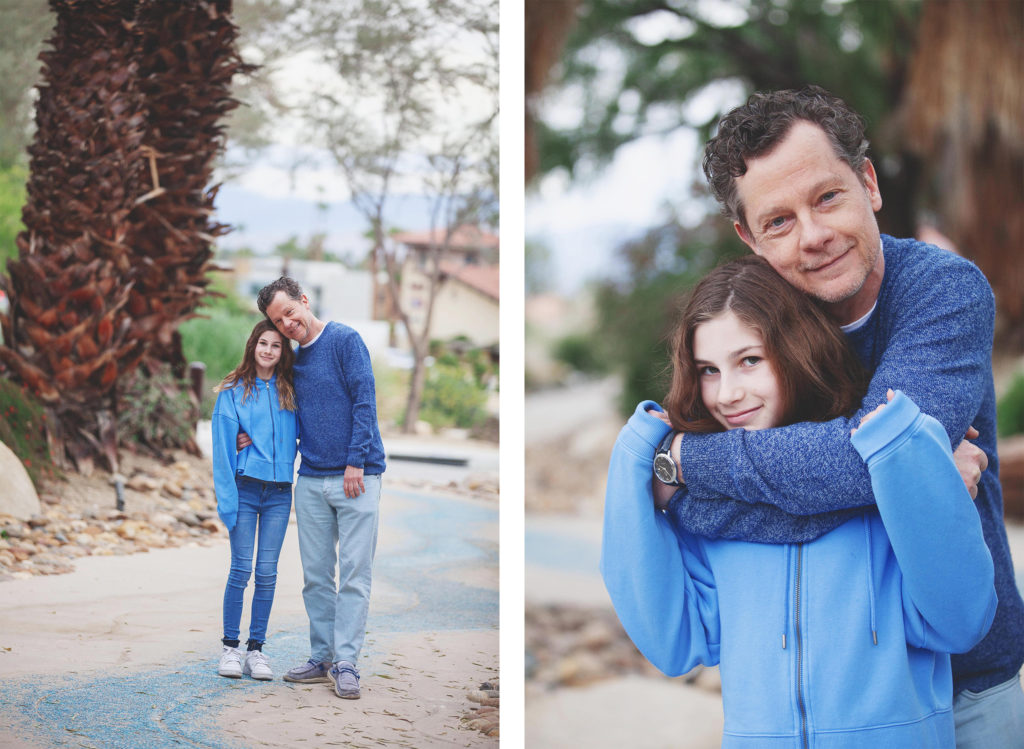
x: 660, y: 415
x: 662, y: 493
x: 889, y: 395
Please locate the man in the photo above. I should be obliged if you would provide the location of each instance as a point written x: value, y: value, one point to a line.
x: 337, y: 494
x: 789, y: 168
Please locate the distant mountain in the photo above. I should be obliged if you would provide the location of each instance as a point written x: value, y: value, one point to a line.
x: 261, y: 222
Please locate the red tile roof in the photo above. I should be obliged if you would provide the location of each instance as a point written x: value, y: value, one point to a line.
x: 464, y: 237
x: 483, y: 278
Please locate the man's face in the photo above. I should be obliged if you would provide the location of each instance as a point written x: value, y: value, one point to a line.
x: 813, y: 220
x: 292, y: 317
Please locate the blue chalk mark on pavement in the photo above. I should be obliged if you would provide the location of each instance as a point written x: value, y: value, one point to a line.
x: 164, y: 708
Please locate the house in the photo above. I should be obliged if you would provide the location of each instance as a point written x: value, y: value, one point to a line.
x: 466, y: 299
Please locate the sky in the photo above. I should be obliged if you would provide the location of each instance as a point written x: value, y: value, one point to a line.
x: 582, y: 222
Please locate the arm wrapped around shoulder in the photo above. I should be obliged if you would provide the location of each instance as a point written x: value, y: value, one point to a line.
x: 933, y: 526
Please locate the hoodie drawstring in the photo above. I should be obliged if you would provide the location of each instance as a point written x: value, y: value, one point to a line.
x: 871, y: 588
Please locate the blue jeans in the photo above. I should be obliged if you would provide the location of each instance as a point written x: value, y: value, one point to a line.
x: 336, y: 533
x: 993, y: 719
x: 267, y: 505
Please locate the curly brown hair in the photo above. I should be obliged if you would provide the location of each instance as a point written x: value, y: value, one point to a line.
x: 245, y: 372
x: 266, y: 295
x: 820, y: 377
x: 755, y: 128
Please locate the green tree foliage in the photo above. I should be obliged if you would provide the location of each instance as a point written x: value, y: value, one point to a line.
x: 637, y: 314
x: 634, y: 69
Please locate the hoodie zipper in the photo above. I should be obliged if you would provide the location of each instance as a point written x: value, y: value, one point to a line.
x: 800, y: 649
x: 273, y: 431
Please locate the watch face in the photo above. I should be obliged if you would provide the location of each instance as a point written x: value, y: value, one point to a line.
x: 665, y: 468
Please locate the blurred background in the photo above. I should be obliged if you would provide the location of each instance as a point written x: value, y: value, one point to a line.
x: 358, y: 154
x: 620, y: 98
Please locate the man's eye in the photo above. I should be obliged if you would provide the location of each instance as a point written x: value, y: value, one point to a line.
x: 829, y: 195
x: 776, y: 222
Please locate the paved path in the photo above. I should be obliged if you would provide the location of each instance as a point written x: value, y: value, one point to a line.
x: 149, y: 679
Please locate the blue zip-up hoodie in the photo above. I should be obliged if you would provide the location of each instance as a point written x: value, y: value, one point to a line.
x: 839, y: 642
x: 270, y: 457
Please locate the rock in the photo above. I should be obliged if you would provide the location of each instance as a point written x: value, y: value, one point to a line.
x: 18, y: 496
x: 188, y: 517
x: 143, y: 483
x: 173, y: 488
x: 163, y: 520
x: 129, y: 529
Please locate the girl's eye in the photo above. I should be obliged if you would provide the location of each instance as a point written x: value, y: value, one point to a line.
x: 750, y: 361
x: 708, y: 370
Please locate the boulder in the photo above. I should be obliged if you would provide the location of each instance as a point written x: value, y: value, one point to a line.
x: 17, y: 494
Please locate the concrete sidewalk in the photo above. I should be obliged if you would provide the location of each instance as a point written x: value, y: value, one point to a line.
x: 123, y: 652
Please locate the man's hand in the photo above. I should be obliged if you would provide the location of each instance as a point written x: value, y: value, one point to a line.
x: 242, y: 441
x: 353, y: 482
x: 971, y: 461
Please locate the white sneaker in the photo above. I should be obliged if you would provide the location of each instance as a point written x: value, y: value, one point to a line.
x: 256, y: 666
x: 230, y: 662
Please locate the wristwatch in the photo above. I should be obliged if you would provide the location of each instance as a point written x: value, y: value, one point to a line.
x: 665, y: 464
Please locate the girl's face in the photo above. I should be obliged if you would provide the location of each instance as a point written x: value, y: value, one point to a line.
x: 268, y: 350
x: 737, y: 383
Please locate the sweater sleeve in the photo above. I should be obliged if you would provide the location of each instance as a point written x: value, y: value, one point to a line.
x: 662, y: 589
x: 949, y: 596
x: 225, y: 457
x: 358, y: 373
x: 935, y: 340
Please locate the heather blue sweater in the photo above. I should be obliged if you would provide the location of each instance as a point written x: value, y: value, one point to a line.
x: 929, y: 336
x: 337, y: 405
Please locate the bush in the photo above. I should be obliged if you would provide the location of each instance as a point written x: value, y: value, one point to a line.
x: 581, y: 353
x: 156, y: 410
x: 23, y: 430
x: 12, y: 198
x: 1010, y: 409
x: 451, y: 397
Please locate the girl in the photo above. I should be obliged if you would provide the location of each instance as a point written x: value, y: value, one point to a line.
x: 254, y: 486
x: 842, y: 641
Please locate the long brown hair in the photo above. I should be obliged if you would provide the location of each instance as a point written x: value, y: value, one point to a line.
x: 246, y: 371
x: 819, y: 375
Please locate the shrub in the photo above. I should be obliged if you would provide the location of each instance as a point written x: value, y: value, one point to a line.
x: 23, y: 430
x: 156, y: 411
x: 452, y: 398
x: 1010, y: 409
x: 580, y: 353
